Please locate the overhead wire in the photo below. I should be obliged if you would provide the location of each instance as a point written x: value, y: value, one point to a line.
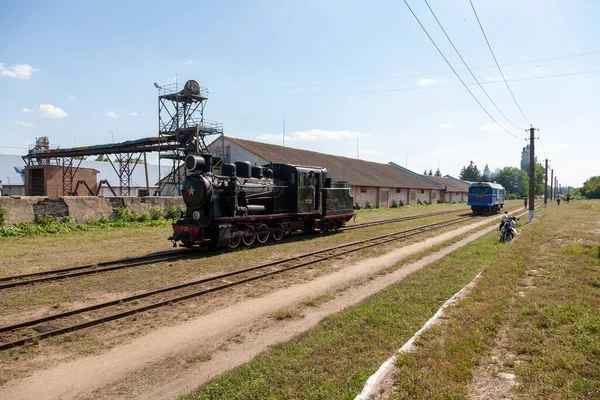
x: 420, y: 74
x: 456, y: 73
x: 404, y: 89
x: 496, y: 61
x: 469, y: 69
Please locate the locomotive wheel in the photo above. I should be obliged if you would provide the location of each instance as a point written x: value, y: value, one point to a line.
x: 249, y: 236
x: 234, y: 241
x: 263, y: 234
x: 278, y: 232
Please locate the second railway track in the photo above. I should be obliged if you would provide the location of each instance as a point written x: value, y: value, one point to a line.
x: 166, y: 256
x: 19, y: 334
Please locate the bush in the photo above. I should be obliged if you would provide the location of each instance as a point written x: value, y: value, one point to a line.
x: 3, y: 216
x: 172, y: 214
x: 394, y: 204
x: 122, y: 217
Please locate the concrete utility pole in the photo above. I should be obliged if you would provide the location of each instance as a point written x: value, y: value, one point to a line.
x: 531, y: 173
x: 546, y: 185
x: 552, y: 184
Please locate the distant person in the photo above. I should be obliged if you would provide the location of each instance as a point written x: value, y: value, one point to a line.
x: 525, y: 202
x: 558, y: 196
x: 568, y: 197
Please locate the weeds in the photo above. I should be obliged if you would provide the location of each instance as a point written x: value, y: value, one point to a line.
x: 122, y: 217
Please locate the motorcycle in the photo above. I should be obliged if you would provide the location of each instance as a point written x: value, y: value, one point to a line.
x: 508, y: 230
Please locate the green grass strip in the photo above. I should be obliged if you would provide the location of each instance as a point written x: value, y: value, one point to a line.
x: 333, y: 360
x: 544, y: 292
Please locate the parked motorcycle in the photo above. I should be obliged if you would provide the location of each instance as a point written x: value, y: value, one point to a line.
x: 508, y: 231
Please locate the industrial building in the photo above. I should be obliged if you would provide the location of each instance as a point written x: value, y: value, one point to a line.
x: 372, y: 184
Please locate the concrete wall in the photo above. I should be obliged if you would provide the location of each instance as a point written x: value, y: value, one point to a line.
x: 81, y: 209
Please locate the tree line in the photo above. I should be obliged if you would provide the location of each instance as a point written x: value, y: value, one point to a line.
x: 516, y: 180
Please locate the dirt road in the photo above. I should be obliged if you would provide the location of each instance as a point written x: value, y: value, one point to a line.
x: 147, y: 368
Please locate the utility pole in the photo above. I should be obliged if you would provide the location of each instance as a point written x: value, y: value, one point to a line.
x: 531, y: 172
x: 552, y: 184
x: 546, y: 185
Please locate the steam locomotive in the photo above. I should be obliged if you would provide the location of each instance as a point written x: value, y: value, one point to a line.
x: 245, y: 204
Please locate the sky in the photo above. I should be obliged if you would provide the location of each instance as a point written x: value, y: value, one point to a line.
x: 347, y: 76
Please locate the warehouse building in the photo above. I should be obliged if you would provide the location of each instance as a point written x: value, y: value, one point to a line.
x: 372, y: 184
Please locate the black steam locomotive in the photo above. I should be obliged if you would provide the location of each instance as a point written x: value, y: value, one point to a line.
x: 244, y: 203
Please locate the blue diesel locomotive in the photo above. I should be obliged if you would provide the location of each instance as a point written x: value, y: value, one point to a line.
x: 485, y: 197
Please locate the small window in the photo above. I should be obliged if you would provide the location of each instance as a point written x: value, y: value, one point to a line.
x: 422, y: 190
x: 363, y: 189
x: 227, y: 153
x: 398, y: 190
x: 433, y: 195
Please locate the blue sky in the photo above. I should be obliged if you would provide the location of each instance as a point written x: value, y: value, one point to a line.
x: 75, y: 70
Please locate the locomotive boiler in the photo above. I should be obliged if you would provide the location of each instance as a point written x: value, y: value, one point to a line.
x: 244, y: 204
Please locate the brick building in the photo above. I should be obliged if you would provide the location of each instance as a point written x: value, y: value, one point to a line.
x: 47, y: 180
x: 372, y: 184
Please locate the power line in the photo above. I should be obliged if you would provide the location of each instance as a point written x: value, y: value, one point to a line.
x: 469, y: 69
x: 421, y: 74
x: 405, y: 89
x: 496, y: 61
x: 457, y: 75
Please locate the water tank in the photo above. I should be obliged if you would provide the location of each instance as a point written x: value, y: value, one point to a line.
x: 228, y: 170
x: 257, y: 172
x: 244, y: 169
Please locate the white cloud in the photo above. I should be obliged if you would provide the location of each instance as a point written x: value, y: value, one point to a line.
x: 427, y: 81
x: 445, y: 126
x: 371, y: 152
x: 493, y: 127
x: 25, y: 124
x: 71, y: 97
x: 50, y: 111
x: 27, y: 110
x: 312, y: 135
x: 133, y: 114
x: 19, y: 71
x: 190, y: 62
x: 443, y: 152
x: 112, y: 114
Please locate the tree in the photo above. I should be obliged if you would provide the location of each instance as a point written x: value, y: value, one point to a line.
x: 487, y: 175
x: 514, y: 180
x: 430, y: 172
x: 539, y: 180
x: 438, y: 173
x: 470, y: 173
x: 101, y: 158
x: 525, y: 159
x: 591, y: 188
x: 425, y: 172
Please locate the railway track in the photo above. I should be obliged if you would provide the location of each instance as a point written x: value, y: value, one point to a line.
x: 166, y: 256
x: 73, y: 320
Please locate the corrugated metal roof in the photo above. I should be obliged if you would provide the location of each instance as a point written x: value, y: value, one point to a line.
x: 11, y: 170
x: 357, y: 172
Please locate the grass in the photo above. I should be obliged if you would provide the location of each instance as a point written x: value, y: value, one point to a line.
x: 541, y: 295
x: 122, y: 218
x: 334, y: 359
x: 553, y: 330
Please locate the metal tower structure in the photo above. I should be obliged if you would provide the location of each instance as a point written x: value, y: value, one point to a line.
x: 181, y: 120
